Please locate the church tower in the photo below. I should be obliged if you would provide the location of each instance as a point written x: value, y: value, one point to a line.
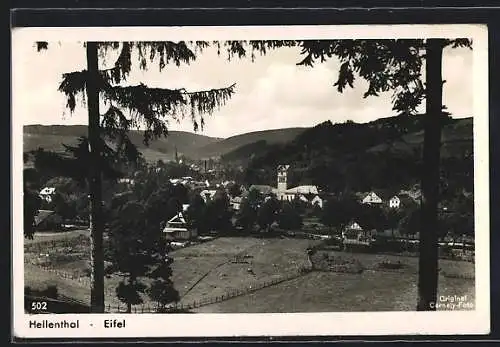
x: 282, y: 177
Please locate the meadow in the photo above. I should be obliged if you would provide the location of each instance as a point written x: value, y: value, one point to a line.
x: 229, y: 264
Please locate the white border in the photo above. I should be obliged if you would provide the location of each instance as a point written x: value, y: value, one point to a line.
x: 288, y: 324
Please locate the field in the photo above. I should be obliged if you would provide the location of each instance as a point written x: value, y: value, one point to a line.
x: 236, y: 264
x: 373, y: 290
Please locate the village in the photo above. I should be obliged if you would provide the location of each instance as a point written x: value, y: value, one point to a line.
x: 229, y: 240
x: 181, y: 232
x: 315, y: 204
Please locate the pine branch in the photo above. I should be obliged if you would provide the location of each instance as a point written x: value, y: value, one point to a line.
x: 151, y: 106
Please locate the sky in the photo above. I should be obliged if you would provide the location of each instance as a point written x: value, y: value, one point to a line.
x: 271, y: 92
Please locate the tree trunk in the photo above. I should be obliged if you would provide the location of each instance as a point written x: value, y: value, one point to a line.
x: 95, y: 186
x: 428, y: 252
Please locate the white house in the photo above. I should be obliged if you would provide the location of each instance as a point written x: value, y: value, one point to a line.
x: 236, y: 203
x: 47, y: 193
x: 177, y: 229
x: 354, y: 234
x: 371, y: 198
x: 395, y: 202
x: 208, y: 195
x: 126, y: 181
x: 354, y: 226
x: 301, y: 192
x: 317, y: 201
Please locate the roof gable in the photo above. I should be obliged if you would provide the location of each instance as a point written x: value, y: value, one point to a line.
x: 177, y: 219
x: 43, y: 215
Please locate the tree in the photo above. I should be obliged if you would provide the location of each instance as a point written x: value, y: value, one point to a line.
x: 147, y: 106
x: 372, y: 217
x: 128, y: 235
x: 195, y: 214
x: 338, y: 212
x: 410, y: 223
x: 218, y: 213
x: 234, y: 190
x: 267, y: 213
x: 289, y: 217
x: 396, y: 65
x: 31, y: 205
x: 138, y: 248
x: 246, y: 217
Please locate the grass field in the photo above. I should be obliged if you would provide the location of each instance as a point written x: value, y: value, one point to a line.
x: 209, y: 269
x: 338, y: 292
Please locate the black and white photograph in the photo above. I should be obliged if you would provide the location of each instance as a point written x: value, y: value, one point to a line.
x: 300, y: 172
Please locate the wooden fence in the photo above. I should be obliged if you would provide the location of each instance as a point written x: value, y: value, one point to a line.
x: 232, y: 293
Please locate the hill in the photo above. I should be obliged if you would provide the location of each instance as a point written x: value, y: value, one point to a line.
x: 383, y: 154
x: 194, y: 146
x: 51, y: 137
x: 270, y: 137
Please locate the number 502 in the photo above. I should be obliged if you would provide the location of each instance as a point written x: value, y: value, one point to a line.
x: 39, y: 305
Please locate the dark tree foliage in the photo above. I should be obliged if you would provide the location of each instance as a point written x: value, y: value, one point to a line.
x: 372, y: 217
x: 31, y: 205
x: 148, y: 207
x: 267, y: 213
x: 128, y: 236
x: 246, y: 217
x: 218, y: 213
x: 234, y: 190
x: 289, y: 217
x: 338, y: 212
x: 196, y: 214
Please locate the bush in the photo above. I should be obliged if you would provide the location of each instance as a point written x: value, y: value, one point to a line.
x: 391, y: 265
x: 48, y: 292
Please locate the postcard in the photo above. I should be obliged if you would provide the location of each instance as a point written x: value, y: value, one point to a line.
x: 250, y: 181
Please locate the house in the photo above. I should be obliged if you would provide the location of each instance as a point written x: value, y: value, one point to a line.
x: 236, y: 203
x: 178, y: 229
x: 208, y: 195
x: 394, y: 202
x: 414, y: 194
x: 354, y: 234
x: 263, y: 189
x: 317, y: 201
x: 371, y: 198
x: 47, y: 193
x: 303, y: 198
x: 48, y: 220
x: 304, y: 190
x: 126, y: 181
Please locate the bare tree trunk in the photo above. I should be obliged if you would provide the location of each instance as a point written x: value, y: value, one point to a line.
x: 428, y: 255
x: 95, y: 186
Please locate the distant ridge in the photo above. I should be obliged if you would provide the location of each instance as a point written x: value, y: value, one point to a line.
x: 195, y: 146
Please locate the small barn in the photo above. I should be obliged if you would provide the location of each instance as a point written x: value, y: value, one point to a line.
x: 236, y: 203
x: 317, y: 201
x: 371, y: 198
x: 47, y: 220
x: 395, y: 202
x: 178, y: 229
x: 354, y: 234
x: 47, y: 193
